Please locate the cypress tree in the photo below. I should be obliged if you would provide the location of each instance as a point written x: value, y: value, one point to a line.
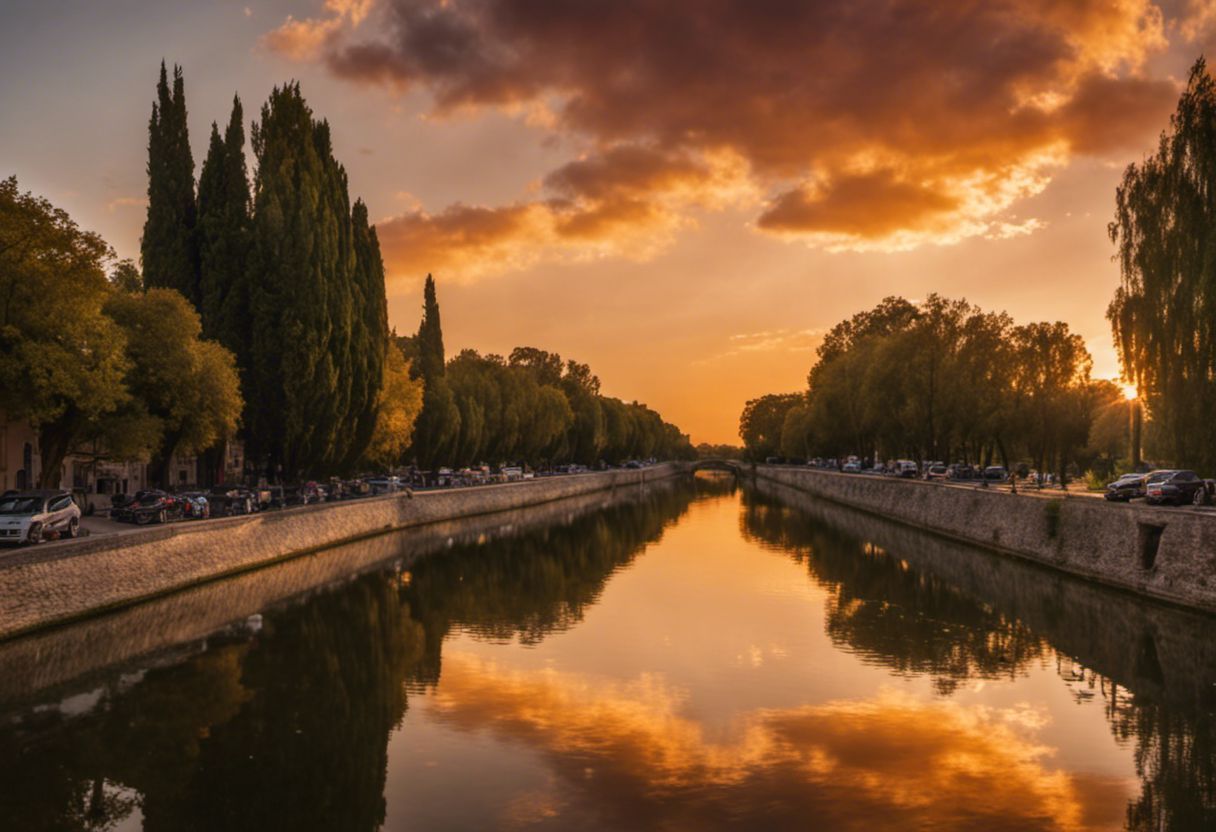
x: 438, y: 426
x: 223, y: 239
x: 370, y: 340
x: 168, y: 245
x: 316, y: 300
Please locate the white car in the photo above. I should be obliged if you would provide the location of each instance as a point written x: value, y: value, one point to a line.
x: 384, y: 485
x: 32, y: 516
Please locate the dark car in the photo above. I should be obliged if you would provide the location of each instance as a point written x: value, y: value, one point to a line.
x: 1126, y: 488
x: 227, y: 500
x: 1179, y: 487
x: 151, y: 506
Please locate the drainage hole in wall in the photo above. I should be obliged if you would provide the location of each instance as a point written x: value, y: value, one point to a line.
x: 1150, y: 540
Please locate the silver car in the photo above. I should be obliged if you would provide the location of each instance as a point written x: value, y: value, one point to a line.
x: 33, y: 516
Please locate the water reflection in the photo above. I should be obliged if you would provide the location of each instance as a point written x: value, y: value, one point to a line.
x: 970, y: 624
x: 302, y: 723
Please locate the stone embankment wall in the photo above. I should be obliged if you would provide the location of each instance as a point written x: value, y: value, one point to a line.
x: 1163, y: 553
x: 1155, y: 650
x: 57, y: 583
x: 57, y: 656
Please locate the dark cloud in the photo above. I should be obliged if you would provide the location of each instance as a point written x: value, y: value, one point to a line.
x: 867, y: 119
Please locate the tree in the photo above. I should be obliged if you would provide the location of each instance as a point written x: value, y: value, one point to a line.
x: 125, y: 277
x: 168, y: 247
x: 761, y: 422
x: 62, y: 359
x: 1163, y: 314
x: 438, y: 426
x: 1052, y: 392
x: 224, y: 239
x: 398, y: 404
x: 186, y: 386
x: 318, y: 335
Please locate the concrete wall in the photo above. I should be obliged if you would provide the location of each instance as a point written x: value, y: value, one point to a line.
x: 1089, y: 537
x: 57, y: 583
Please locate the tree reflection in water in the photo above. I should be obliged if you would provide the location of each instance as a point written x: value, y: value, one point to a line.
x: 914, y: 621
x: 288, y: 728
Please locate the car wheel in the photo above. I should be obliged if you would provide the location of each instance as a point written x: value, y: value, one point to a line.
x: 143, y: 518
x: 1200, y: 497
x: 74, y: 528
x: 35, y: 533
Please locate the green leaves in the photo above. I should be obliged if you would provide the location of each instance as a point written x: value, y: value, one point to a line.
x: 1163, y: 314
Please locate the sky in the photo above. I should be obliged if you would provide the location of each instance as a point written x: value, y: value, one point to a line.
x: 685, y: 194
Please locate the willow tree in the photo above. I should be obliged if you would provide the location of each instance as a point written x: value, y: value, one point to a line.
x: 1164, y: 311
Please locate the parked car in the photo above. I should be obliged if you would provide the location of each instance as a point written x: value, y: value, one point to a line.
x: 151, y: 506
x: 996, y: 473
x: 383, y: 485
x: 852, y: 467
x: 1126, y: 488
x: 906, y: 469
x: 33, y: 516
x: 960, y: 471
x: 195, y: 505
x: 227, y: 500
x: 1179, y: 487
x: 937, y: 471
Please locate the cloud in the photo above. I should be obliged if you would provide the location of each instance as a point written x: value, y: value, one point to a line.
x: 872, y: 124
x: 625, y: 200
x: 126, y: 202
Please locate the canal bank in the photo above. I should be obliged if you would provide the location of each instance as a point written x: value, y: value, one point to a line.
x: 59, y: 583
x: 1161, y: 553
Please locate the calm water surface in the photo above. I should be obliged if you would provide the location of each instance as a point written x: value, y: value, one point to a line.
x: 703, y: 657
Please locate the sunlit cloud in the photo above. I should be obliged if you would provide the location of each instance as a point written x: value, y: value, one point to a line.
x: 889, y: 762
x: 862, y: 126
x: 126, y: 202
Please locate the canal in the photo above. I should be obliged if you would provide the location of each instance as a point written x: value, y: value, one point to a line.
x: 696, y: 655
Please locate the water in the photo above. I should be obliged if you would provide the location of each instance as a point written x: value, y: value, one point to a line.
x: 695, y: 657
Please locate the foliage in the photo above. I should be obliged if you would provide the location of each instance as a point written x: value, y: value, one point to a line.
x: 316, y: 300
x: 62, y: 359
x: 937, y: 380
x: 1163, y: 311
x: 224, y: 238
x: 532, y: 407
x: 126, y: 277
x: 706, y: 450
x: 168, y: 247
x: 185, y: 390
x: 398, y: 406
x: 761, y: 423
x: 439, y: 425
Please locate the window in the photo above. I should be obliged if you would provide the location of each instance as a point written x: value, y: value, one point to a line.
x: 60, y: 503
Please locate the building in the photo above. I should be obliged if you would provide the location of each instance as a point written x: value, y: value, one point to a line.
x: 92, y: 475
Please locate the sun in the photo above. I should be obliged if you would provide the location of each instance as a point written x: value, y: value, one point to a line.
x: 1129, y: 391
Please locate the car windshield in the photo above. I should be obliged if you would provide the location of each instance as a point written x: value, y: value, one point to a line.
x: 21, y: 505
x: 1160, y: 476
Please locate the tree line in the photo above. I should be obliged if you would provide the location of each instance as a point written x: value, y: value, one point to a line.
x: 93, y: 366
x: 945, y: 380
x: 260, y: 311
x: 530, y: 406
x: 284, y: 271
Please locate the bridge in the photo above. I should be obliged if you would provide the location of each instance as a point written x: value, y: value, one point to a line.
x: 730, y: 466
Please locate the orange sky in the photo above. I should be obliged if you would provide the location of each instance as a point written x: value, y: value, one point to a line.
x: 683, y: 193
